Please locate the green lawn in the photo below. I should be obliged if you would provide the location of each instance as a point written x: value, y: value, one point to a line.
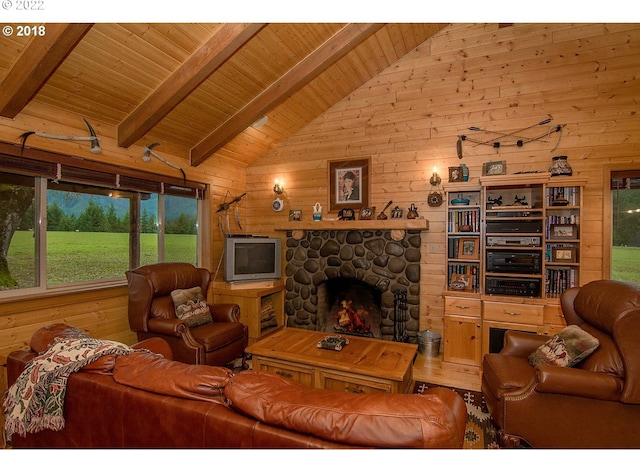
x: 625, y: 263
x: 75, y: 257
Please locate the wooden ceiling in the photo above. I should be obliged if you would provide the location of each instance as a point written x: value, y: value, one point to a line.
x: 197, y: 89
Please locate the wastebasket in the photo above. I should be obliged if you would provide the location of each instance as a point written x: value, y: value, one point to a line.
x: 429, y: 343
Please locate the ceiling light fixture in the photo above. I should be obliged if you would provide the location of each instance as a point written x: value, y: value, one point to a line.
x: 258, y: 123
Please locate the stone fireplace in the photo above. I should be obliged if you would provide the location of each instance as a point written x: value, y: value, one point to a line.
x: 327, y: 270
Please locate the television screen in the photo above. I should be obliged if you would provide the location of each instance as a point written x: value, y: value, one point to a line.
x: 252, y: 259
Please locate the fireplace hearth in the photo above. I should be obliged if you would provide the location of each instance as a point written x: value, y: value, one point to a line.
x: 375, y: 263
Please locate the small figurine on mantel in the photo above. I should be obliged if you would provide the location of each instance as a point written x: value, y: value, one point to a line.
x: 317, y: 212
x: 382, y: 215
x: 396, y: 213
x: 413, y: 212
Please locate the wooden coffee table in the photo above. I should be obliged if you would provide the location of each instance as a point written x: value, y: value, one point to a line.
x: 363, y: 365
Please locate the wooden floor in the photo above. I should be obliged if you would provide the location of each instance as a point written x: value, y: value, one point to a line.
x: 429, y: 370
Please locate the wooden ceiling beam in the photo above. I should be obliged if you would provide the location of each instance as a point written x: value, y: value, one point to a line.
x: 195, y: 70
x: 39, y: 60
x: 295, y: 79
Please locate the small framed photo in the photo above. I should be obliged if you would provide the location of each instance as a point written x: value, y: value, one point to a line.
x: 461, y: 282
x: 455, y: 174
x: 563, y: 254
x: 563, y: 231
x: 468, y: 248
x: 295, y: 215
x: 494, y: 168
x: 367, y: 213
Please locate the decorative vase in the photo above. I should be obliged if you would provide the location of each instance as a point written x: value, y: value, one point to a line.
x: 465, y: 172
x: 560, y: 166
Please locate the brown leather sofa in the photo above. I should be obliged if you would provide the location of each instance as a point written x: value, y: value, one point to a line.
x: 145, y: 400
x: 152, y: 314
x: 593, y: 404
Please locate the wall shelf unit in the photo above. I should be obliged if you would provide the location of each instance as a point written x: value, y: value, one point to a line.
x: 462, y: 305
x: 528, y: 228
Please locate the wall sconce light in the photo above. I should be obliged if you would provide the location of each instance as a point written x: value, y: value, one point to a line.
x: 435, y: 178
x: 278, y: 188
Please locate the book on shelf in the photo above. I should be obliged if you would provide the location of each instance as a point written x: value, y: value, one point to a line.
x: 558, y: 280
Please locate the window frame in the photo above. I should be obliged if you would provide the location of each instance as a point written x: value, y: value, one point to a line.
x: 607, y: 214
x: 10, y: 159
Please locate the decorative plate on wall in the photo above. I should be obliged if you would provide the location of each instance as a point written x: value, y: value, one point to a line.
x: 434, y: 199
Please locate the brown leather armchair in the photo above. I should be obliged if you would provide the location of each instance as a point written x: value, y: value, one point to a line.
x: 152, y: 313
x: 593, y: 404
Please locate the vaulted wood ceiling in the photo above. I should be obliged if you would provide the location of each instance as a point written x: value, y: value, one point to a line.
x: 196, y: 89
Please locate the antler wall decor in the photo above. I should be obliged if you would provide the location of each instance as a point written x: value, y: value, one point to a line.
x: 93, y: 138
x: 519, y: 142
x: 148, y: 153
x: 223, y: 209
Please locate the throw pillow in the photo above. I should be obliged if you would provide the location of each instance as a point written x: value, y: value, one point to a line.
x: 565, y: 349
x: 191, y: 306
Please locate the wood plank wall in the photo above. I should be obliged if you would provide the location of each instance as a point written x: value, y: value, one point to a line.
x: 407, y: 120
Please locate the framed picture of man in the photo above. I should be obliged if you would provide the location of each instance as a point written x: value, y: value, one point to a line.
x: 348, y: 184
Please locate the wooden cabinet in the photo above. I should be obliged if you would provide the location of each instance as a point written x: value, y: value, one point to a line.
x: 261, y: 305
x: 462, y: 313
x: 525, y: 231
x: 462, y: 332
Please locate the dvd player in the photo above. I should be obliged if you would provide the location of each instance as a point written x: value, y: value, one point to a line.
x: 519, y: 241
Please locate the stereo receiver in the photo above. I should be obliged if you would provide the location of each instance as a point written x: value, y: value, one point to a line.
x: 520, y: 287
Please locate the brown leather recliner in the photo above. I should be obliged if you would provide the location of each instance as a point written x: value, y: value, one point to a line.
x: 152, y: 313
x: 593, y: 404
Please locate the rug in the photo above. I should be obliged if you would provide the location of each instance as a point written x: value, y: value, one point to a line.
x: 480, y: 431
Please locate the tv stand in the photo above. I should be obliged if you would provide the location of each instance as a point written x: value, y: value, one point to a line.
x: 254, y: 298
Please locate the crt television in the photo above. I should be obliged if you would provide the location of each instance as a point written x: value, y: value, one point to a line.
x: 252, y: 258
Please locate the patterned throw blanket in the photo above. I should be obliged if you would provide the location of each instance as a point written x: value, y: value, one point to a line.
x: 36, y: 400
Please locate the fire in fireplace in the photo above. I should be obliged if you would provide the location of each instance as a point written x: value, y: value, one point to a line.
x: 349, y: 306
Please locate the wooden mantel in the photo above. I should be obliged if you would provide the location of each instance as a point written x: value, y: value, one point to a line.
x: 391, y: 224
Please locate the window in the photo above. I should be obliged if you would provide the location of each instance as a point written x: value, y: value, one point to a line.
x: 60, y: 230
x: 625, y: 220
x: 87, y: 234
x: 18, y: 256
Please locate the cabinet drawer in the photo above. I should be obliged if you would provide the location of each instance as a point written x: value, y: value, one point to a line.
x: 301, y: 374
x: 342, y: 383
x: 462, y: 306
x: 514, y: 312
x: 553, y: 315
